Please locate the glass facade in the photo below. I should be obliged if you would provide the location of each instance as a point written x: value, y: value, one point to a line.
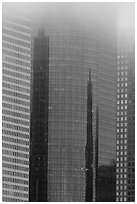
x: 76, y: 101
x: 74, y: 48
x: 16, y: 40
x: 39, y: 120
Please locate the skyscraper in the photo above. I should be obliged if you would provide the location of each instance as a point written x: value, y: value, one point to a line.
x: 16, y: 41
x: 89, y: 145
x: 77, y: 43
x: 39, y: 120
x: 81, y: 103
x: 125, y: 153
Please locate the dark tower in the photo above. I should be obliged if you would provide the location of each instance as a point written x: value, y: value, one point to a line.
x: 89, y: 145
x: 96, y: 149
x: 39, y: 120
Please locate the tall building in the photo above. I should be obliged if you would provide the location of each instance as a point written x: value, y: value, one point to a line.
x: 77, y: 43
x: 125, y: 153
x: 89, y: 145
x: 39, y: 120
x: 16, y: 42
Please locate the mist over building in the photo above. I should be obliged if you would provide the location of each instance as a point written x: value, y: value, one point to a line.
x: 73, y: 43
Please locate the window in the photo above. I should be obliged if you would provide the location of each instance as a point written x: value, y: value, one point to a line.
x: 125, y: 187
x: 125, y: 73
x: 125, y: 84
x: 121, y: 181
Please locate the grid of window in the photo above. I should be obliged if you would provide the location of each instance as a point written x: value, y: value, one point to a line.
x: 16, y: 107
x: 125, y: 94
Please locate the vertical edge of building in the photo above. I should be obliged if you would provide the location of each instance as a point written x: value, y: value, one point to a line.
x: 39, y: 120
x: 16, y: 63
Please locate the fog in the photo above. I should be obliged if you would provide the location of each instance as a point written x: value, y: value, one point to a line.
x: 81, y: 11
